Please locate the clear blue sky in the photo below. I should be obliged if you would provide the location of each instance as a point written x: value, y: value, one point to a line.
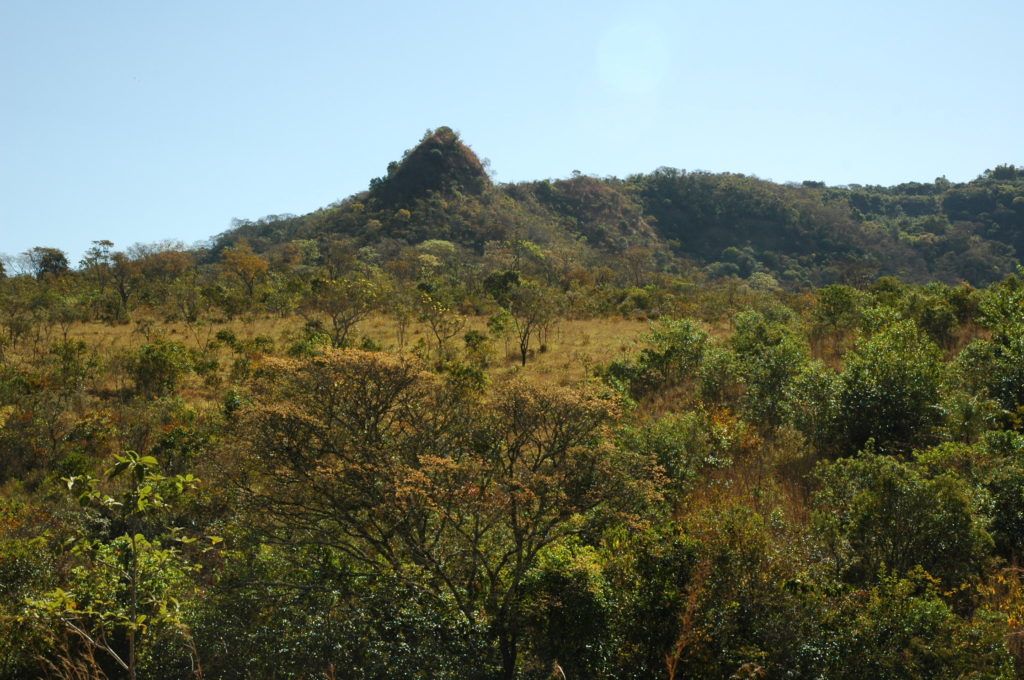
x: 145, y: 120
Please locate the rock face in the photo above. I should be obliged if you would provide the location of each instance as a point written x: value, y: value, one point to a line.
x: 439, y: 163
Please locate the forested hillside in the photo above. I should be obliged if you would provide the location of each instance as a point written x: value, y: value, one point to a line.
x: 678, y: 425
x: 734, y: 225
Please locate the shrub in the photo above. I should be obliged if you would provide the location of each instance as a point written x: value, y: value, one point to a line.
x: 890, y: 390
x: 673, y: 353
x: 159, y: 366
x: 681, y: 445
x: 567, y: 611
x: 879, y: 515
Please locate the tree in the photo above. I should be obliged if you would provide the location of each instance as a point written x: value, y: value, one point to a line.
x: 65, y: 309
x: 533, y: 307
x: 444, y: 322
x: 994, y: 466
x: 744, y: 606
x: 126, y: 277
x: 770, y: 357
x: 345, y: 302
x: 996, y: 366
x: 47, y: 262
x: 425, y: 481
x: 907, y: 628
x: 675, y: 350
x: 890, y: 389
x: 158, y: 367
x: 188, y: 299
x: 880, y: 515
x: 247, y: 266
x: 127, y: 591
x: 837, y: 313
x: 19, y: 310
x: 401, y: 305
x: 638, y: 261
x: 813, y: 398
x: 96, y: 263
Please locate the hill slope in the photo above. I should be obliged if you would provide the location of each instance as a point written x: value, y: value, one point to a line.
x: 729, y: 223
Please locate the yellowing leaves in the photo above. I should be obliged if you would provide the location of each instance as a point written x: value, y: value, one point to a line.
x: 5, y: 414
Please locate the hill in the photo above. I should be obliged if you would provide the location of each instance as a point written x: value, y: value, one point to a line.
x: 730, y: 224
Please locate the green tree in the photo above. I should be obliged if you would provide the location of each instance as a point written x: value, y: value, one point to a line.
x: 837, y: 312
x: 673, y: 353
x: 125, y: 593
x: 47, y: 262
x: 247, y: 266
x: 814, y: 399
x: 125, y: 278
x: 770, y: 357
x: 159, y: 366
x: 427, y: 482
x: 904, y: 628
x: 533, y: 307
x: 345, y: 302
x: 443, y: 321
x: 879, y: 516
x: 890, y: 390
x: 567, y: 610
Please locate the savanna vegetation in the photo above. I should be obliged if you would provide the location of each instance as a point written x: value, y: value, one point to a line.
x: 680, y: 425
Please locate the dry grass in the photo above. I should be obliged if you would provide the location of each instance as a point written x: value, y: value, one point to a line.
x: 575, y: 347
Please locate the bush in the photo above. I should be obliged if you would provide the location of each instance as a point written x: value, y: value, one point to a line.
x: 878, y: 515
x: 769, y: 356
x: 748, y: 603
x: 314, y: 343
x: 673, y: 353
x: 158, y: 367
x: 890, y: 390
x: 227, y: 337
x: 814, y: 395
x: 567, y: 611
x: 719, y: 376
x: 681, y: 445
x: 902, y: 628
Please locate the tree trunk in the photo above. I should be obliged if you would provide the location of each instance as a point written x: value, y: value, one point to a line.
x: 509, y: 653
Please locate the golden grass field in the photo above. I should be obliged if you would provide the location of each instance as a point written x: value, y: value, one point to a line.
x: 575, y: 347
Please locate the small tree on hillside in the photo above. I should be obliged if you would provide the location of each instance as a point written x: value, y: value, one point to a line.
x: 890, y: 390
x: 96, y: 264
x: 125, y: 276
x: 344, y: 302
x: 47, y: 262
x: 247, y: 266
x: 125, y: 593
x: 533, y: 307
x: 444, y: 322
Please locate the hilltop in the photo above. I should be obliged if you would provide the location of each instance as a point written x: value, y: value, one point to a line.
x: 439, y: 163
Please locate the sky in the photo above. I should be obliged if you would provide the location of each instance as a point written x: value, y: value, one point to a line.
x: 138, y: 121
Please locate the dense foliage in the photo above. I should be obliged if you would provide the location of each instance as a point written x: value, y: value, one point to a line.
x: 729, y: 224
x: 356, y: 444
